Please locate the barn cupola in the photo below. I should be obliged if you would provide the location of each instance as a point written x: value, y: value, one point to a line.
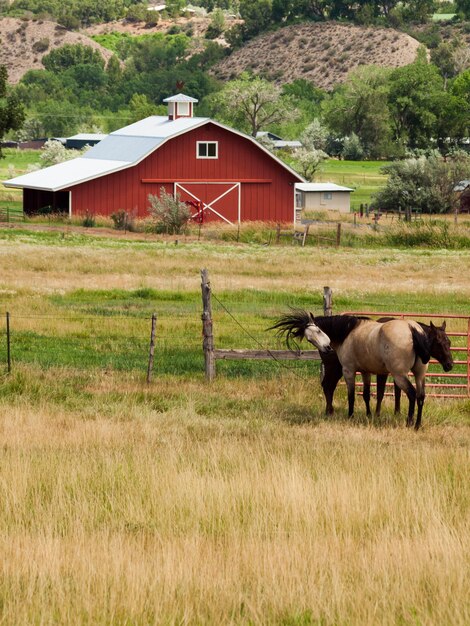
x: 180, y: 106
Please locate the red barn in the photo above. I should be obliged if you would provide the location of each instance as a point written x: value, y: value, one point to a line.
x: 225, y: 174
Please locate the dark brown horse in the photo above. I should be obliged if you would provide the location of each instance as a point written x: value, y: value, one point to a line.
x: 371, y: 347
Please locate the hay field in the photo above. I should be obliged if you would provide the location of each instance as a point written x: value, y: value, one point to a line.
x: 235, y: 503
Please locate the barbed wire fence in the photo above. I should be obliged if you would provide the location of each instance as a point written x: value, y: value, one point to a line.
x: 169, y: 341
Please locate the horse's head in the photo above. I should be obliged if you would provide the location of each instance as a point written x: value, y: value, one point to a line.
x: 316, y: 336
x: 299, y: 324
x: 440, y: 346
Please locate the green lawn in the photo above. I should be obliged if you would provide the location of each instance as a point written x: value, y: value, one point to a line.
x: 363, y: 176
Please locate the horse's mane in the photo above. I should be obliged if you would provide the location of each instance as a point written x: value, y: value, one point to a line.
x: 421, y: 344
x: 338, y: 327
x: 293, y: 325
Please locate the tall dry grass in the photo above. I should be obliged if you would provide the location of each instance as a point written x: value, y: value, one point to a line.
x: 118, y: 512
x: 44, y: 268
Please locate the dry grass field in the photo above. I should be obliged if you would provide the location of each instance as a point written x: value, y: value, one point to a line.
x: 238, y: 502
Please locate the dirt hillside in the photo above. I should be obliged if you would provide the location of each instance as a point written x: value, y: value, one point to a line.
x: 324, y: 53
x: 24, y: 43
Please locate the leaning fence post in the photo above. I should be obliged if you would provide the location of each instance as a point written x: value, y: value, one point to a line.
x: 208, y: 337
x: 305, y: 235
x: 152, y: 348
x: 327, y: 301
x: 8, y: 344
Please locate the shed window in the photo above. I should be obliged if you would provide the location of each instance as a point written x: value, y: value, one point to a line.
x: 207, y: 149
x: 327, y: 195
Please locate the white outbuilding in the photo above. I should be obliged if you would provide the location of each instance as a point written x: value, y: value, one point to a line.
x: 318, y: 196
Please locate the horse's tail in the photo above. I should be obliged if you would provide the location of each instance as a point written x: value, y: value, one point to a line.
x: 420, y: 344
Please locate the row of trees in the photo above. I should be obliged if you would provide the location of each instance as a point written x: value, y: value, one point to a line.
x: 260, y: 15
x: 79, y: 13
x: 75, y: 87
x: 377, y: 113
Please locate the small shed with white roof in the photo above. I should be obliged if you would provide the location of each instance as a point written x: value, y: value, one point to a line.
x: 220, y: 172
x: 322, y: 196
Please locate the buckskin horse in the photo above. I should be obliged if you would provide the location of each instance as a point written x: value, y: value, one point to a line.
x: 371, y: 347
x: 439, y: 349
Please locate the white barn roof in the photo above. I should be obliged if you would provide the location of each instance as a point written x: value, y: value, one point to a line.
x: 120, y: 150
x: 321, y: 187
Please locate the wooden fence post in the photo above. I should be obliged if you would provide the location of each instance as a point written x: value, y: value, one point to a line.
x: 305, y: 235
x: 327, y: 301
x: 8, y: 344
x: 208, y: 337
x: 338, y: 235
x: 152, y: 348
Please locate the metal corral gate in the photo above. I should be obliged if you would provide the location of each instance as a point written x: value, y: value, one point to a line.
x: 455, y: 384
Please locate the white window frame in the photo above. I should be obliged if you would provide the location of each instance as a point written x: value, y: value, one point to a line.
x: 206, y: 143
x: 327, y: 195
x: 183, y: 109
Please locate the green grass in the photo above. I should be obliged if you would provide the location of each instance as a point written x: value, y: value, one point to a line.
x: 100, y: 329
x: 443, y: 17
x: 363, y: 176
x: 19, y: 159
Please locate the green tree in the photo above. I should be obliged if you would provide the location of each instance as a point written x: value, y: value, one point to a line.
x: 352, y: 148
x: 252, y: 103
x: 423, y: 184
x: 140, y: 108
x: 443, y: 57
x: 315, y: 136
x: 415, y: 94
x: 12, y: 112
x: 463, y: 7
x: 256, y: 16
x: 217, y: 24
x: 309, y: 161
x: 360, y: 106
x: 61, y: 59
x: 113, y: 70
x: 417, y: 10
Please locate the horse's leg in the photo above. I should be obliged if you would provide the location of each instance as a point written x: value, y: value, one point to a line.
x: 419, y: 371
x: 381, y: 382
x: 405, y: 385
x: 366, y: 393
x: 331, y: 373
x: 397, y: 391
x: 350, y: 378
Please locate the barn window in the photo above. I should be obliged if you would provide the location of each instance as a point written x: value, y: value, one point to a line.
x: 207, y: 149
x: 327, y: 196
